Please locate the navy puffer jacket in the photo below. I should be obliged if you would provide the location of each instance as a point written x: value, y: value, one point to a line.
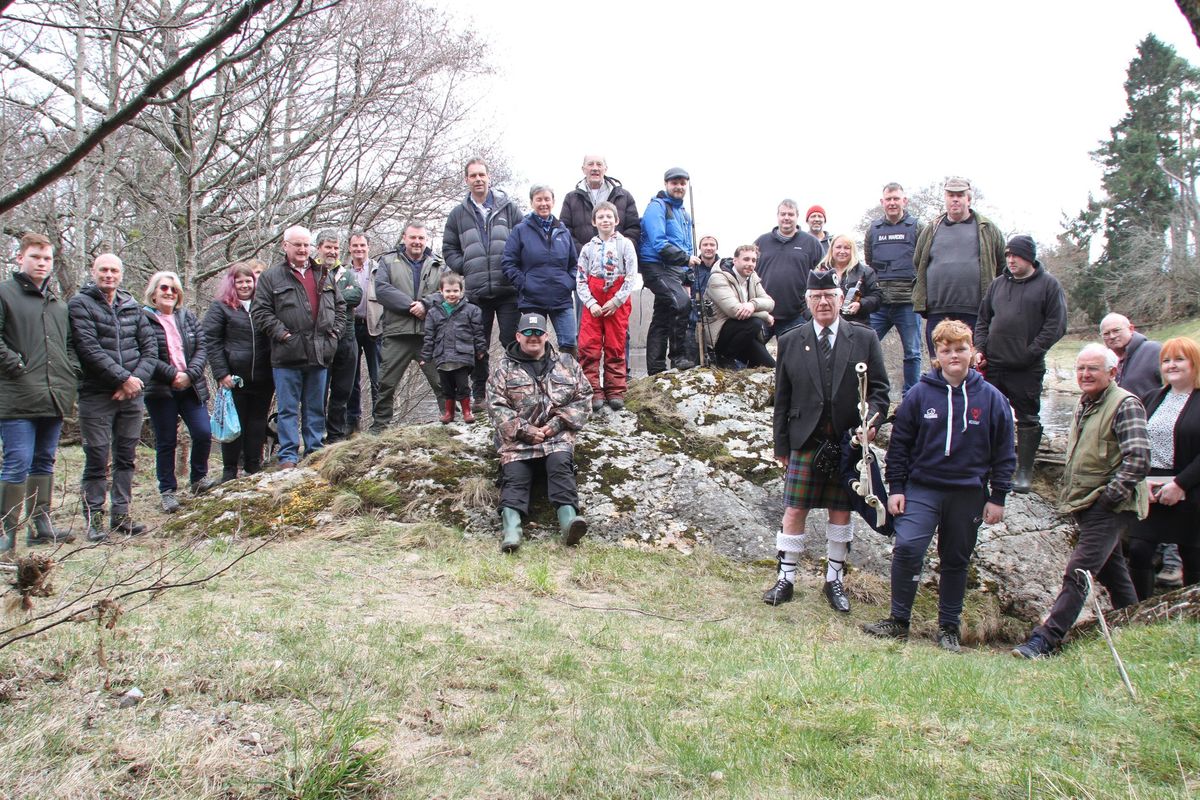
x: 541, y: 265
x: 113, y: 341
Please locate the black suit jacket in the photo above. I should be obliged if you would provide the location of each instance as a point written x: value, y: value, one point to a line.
x: 800, y: 393
x: 1187, y: 439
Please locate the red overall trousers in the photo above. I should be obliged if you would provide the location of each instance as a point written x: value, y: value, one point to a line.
x: 604, y: 335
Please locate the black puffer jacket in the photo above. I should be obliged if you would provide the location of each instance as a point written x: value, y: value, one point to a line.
x: 577, y: 210
x: 467, y: 253
x: 281, y: 310
x: 235, y: 347
x: 194, y: 352
x: 39, y: 374
x: 112, y: 341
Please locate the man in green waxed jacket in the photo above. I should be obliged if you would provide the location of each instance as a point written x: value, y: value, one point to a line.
x: 39, y: 380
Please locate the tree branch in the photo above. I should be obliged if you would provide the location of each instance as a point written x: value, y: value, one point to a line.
x: 134, y: 106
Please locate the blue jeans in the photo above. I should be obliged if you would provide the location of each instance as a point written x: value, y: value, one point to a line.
x: 29, y: 447
x: 299, y: 403
x: 566, y: 329
x: 784, y: 325
x: 165, y: 413
x: 908, y: 325
x: 956, y: 514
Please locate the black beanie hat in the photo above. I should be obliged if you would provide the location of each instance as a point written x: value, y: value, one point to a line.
x: 1023, y: 247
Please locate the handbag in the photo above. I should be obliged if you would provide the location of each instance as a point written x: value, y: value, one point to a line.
x: 226, y: 427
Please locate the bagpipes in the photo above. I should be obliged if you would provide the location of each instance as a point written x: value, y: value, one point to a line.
x: 860, y: 467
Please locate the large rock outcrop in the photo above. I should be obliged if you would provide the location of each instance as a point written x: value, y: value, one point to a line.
x: 688, y: 464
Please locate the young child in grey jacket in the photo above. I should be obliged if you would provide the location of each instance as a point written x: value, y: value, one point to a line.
x: 454, y: 342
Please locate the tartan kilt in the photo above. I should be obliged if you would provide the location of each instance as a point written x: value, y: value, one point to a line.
x: 804, y: 488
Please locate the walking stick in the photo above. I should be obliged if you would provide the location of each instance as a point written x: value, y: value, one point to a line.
x: 700, y: 349
x: 1087, y: 579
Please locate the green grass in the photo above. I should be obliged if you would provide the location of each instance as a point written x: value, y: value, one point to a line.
x: 377, y: 665
x: 1062, y: 355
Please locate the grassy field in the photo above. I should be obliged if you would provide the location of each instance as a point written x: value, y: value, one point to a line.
x: 1062, y: 355
x: 374, y: 659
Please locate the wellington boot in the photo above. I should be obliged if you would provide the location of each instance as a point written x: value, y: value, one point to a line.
x: 1028, y: 440
x: 468, y: 417
x: 511, y: 530
x: 572, y: 526
x: 38, y: 494
x: 448, y: 414
x: 12, y: 506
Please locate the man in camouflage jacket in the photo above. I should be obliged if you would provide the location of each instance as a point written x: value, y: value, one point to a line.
x: 538, y: 399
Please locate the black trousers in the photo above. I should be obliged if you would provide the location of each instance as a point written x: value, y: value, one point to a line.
x: 1023, y: 388
x: 505, y: 313
x: 1099, y: 552
x: 741, y: 340
x: 516, y: 479
x: 339, y: 384
x: 456, y: 383
x: 253, y: 404
x: 669, y: 325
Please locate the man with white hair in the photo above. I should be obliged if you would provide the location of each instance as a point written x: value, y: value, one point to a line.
x: 1137, y: 364
x: 1104, y: 490
x: 117, y: 355
x: 298, y: 308
x: 595, y: 188
x: 816, y: 402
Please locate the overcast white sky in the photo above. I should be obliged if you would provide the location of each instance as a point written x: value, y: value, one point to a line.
x: 820, y: 102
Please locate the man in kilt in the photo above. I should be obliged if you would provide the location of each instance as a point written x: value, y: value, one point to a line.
x: 816, y: 403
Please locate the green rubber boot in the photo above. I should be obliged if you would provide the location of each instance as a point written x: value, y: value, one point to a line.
x: 572, y: 525
x: 12, y: 506
x: 38, y: 494
x: 511, y: 530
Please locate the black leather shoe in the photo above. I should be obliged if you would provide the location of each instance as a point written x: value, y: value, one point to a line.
x: 835, y: 593
x: 780, y: 593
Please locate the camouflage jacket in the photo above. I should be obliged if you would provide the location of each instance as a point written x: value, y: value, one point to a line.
x: 518, y: 404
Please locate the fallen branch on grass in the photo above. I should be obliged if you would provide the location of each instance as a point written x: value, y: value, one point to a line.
x: 101, y: 596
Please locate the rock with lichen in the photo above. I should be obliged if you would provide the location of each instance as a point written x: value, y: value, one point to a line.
x: 689, y: 463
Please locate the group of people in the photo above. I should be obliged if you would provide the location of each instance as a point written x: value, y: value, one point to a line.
x: 298, y: 332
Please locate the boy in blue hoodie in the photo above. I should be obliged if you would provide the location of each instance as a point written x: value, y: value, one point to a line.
x: 950, y: 464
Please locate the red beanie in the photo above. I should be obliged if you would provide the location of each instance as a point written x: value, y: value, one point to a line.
x: 811, y: 209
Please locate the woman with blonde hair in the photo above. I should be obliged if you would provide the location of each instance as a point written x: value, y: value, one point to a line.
x: 178, y: 388
x: 860, y: 287
x: 1173, y: 423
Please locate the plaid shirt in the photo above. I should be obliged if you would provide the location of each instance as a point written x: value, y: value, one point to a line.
x: 1129, y: 428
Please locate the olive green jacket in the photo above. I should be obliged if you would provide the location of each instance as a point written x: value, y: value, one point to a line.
x: 39, y: 371
x: 991, y: 258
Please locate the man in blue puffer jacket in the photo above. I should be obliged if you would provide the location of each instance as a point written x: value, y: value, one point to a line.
x: 950, y: 463
x: 664, y: 256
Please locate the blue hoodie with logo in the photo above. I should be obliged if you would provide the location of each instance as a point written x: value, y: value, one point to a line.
x: 953, y: 437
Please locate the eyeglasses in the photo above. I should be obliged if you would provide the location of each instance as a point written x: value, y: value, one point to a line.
x: 532, y: 332
x: 299, y: 245
x: 166, y: 287
x: 830, y: 296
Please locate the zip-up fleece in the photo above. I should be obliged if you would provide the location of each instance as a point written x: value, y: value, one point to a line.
x: 944, y: 436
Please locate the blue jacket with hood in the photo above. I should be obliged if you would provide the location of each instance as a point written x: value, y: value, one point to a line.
x: 666, y: 233
x: 948, y: 437
x: 541, y: 265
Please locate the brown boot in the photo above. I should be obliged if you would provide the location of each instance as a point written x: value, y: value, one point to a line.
x: 448, y: 414
x: 468, y: 417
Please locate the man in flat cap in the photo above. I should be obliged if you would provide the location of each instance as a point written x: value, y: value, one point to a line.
x: 664, y: 257
x: 957, y: 258
x: 538, y: 401
x: 816, y: 403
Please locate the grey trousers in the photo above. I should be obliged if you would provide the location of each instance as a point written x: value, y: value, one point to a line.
x: 108, y: 428
x: 397, y: 353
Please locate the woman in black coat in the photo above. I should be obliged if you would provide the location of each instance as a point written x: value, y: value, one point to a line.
x: 236, y: 348
x: 859, y: 285
x: 1173, y: 422
x: 177, y: 390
